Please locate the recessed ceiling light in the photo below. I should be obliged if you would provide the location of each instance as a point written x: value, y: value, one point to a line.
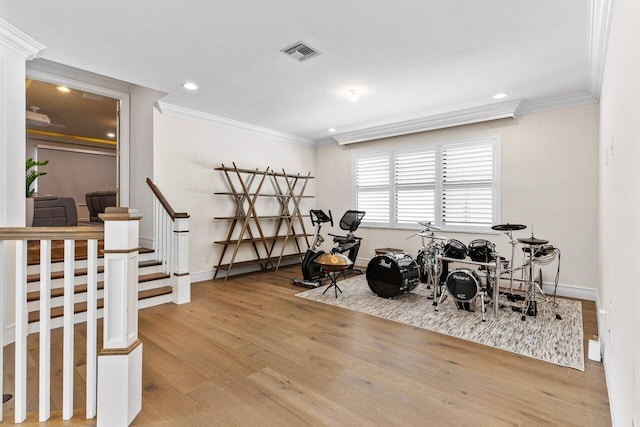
x: 189, y: 85
x: 64, y: 89
x: 500, y: 95
x: 111, y: 135
x: 332, y: 130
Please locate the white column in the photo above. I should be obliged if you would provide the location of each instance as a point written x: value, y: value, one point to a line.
x: 120, y: 360
x: 181, y: 279
x: 15, y: 49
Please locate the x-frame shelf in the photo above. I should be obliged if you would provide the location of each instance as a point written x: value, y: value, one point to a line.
x: 246, y: 187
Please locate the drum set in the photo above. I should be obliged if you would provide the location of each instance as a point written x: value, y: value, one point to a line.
x: 470, y: 274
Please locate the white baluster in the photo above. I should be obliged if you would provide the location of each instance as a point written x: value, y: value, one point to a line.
x: 160, y: 237
x: 45, y: 330
x: 21, y: 332
x: 67, y: 352
x: 155, y: 224
x: 92, y: 315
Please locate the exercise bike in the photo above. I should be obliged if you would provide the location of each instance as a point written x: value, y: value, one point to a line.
x: 312, y: 274
x: 349, y: 245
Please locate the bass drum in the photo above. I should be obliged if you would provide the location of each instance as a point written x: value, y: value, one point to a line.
x: 464, y: 286
x: 392, y: 274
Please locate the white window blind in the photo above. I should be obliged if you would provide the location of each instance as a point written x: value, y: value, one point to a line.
x: 373, y: 187
x: 415, y: 178
x: 452, y: 185
x: 467, y: 185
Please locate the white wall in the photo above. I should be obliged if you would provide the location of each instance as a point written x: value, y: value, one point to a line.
x: 186, y: 151
x: 620, y: 212
x: 549, y: 176
x: 141, y: 157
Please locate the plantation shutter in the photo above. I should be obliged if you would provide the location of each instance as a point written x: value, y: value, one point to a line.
x: 467, y: 185
x: 415, y: 177
x: 373, y: 187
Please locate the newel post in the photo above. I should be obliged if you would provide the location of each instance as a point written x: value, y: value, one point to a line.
x: 120, y: 360
x: 182, y: 279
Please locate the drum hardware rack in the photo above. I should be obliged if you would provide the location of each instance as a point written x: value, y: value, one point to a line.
x: 495, y: 265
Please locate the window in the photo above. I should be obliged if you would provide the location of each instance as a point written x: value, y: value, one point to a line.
x: 454, y: 185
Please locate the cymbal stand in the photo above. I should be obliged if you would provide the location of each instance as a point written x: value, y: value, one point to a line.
x: 529, y: 306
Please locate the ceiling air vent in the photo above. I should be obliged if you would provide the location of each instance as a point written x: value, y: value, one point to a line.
x: 300, y: 51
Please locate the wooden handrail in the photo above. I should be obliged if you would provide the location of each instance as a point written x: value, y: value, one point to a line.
x: 165, y: 203
x: 51, y: 233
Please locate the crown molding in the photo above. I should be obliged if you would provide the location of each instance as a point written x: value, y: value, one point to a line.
x: 206, y: 117
x: 555, y: 102
x: 19, y: 42
x: 599, y: 26
x: 467, y: 116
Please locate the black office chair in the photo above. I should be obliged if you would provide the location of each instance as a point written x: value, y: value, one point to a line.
x: 349, y: 244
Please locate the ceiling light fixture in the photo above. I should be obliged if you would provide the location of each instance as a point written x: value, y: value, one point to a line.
x: 354, y: 95
x: 500, y: 95
x: 111, y: 135
x: 64, y: 89
x: 189, y: 85
x: 332, y: 130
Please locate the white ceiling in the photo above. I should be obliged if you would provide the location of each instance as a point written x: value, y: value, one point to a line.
x: 407, y: 59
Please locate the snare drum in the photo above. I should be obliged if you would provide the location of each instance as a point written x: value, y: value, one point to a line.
x: 455, y: 249
x: 481, y: 250
x: 392, y: 274
x: 464, y: 285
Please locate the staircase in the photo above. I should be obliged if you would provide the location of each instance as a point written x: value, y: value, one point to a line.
x: 154, y: 288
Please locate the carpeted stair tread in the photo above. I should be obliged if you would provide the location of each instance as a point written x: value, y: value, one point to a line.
x: 83, y: 271
x: 78, y: 289
x: 58, y: 292
x: 152, y: 276
x: 81, y: 307
x: 156, y: 292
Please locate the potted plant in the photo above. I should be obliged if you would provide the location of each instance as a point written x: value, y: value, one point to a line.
x: 31, y: 175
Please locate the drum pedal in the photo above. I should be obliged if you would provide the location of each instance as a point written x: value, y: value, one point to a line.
x: 532, y: 308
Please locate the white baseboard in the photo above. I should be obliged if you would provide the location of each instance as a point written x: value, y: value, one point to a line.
x: 10, y: 334
x: 571, y: 291
x: 201, y: 276
x: 145, y: 242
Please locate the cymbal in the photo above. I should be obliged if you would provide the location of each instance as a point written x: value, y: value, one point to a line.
x: 533, y: 241
x: 508, y: 227
x: 432, y: 236
x: 429, y: 226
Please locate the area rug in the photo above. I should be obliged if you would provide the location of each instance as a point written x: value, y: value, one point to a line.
x: 542, y: 337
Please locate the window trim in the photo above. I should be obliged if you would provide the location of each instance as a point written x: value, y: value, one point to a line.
x: 496, y: 142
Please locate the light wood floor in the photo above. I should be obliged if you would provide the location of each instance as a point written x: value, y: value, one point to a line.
x: 248, y: 352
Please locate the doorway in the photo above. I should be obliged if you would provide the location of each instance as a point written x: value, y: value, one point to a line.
x: 86, y: 123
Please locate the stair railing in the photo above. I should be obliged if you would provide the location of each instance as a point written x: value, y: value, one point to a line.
x: 171, y: 244
x: 120, y: 297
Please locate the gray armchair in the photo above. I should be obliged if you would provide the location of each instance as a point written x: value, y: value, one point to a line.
x: 98, y: 201
x: 52, y: 211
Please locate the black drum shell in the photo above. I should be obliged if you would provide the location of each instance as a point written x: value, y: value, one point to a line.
x: 463, y: 284
x: 481, y: 250
x: 391, y: 275
x: 454, y: 249
x: 421, y: 259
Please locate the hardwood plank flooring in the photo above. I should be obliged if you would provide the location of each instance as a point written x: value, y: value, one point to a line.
x: 248, y: 352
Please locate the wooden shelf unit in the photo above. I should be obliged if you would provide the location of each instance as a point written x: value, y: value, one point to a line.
x: 289, y: 238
